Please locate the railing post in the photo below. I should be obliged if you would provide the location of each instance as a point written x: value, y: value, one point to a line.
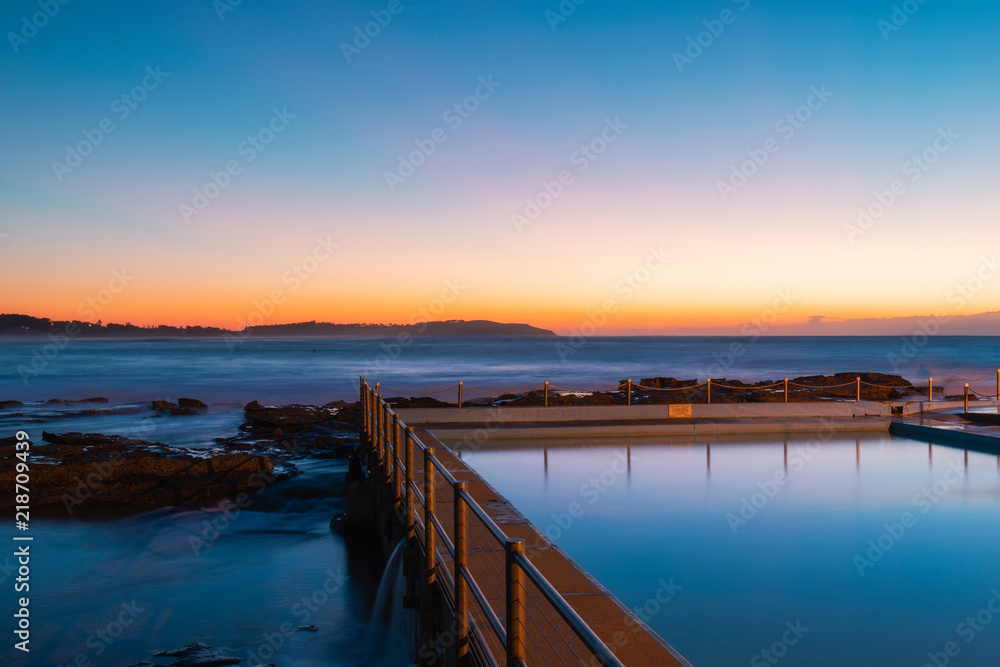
x: 930, y: 389
x: 461, y: 562
x: 546, y: 393
x: 410, y: 529
x: 384, y: 424
x: 429, y: 541
x: 515, y: 604
x: 709, y: 390
x: 397, y: 430
x: 998, y: 384
x: 966, y: 396
x: 459, y: 393
x: 364, y: 403
x: 786, y: 390
x: 859, y: 389
x: 377, y: 409
x: 629, y: 400
x: 377, y: 440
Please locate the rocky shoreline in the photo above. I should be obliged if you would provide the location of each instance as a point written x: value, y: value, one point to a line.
x: 82, y: 471
x: 664, y: 390
x: 74, y: 468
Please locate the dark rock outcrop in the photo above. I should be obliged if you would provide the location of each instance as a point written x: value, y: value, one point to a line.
x: 192, y: 403
x: 169, y: 408
x: 198, y: 655
x: 81, y: 467
x: 10, y: 404
x: 286, y: 417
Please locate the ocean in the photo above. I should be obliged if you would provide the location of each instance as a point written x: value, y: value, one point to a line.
x: 320, y: 370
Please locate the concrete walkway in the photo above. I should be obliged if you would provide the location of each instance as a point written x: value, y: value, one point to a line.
x: 548, y: 640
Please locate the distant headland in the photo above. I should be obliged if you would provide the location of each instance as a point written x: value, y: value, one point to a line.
x: 26, y: 325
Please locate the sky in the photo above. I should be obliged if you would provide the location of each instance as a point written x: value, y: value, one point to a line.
x: 646, y: 167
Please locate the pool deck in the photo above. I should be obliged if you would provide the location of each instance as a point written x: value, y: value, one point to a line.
x: 548, y: 637
x: 628, y: 637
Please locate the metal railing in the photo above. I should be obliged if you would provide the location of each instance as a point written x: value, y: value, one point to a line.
x: 790, y: 390
x: 496, y: 640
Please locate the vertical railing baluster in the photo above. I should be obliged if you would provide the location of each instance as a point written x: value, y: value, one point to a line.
x: 429, y: 541
x: 515, y: 604
x: 461, y: 563
x: 397, y: 430
x: 410, y: 529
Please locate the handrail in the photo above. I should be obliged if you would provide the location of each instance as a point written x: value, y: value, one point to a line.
x: 387, y: 434
x: 485, y: 518
x: 577, y: 624
x: 704, y: 388
x: 491, y: 615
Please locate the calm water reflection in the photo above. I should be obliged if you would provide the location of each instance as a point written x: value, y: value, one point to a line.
x: 878, y: 550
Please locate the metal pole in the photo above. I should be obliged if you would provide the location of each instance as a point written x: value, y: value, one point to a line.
x: 385, y: 437
x: 428, y: 514
x: 966, y: 396
x: 709, y: 390
x: 364, y: 406
x: 515, y: 604
x: 930, y: 389
x: 546, y: 393
x: 397, y: 431
x: 461, y: 562
x: 411, y: 530
x: 786, y: 390
x: 459, y: 393
x: 629, y: 399
x: 378, y: 430
x: 998, y: 384
x: 859, y: 390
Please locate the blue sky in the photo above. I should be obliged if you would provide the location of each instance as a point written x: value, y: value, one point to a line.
x: 657, y: 184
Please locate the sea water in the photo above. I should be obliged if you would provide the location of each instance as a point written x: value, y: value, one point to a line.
x: 320, y: 370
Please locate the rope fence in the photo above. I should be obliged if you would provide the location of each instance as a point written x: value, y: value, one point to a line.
x: 627, y: 391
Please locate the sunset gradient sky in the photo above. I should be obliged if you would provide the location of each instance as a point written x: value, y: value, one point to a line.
x: 342, y: 118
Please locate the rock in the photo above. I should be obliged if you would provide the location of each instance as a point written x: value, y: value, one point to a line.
x: 417, y: 402
x: 192, y: 403
x: 55, y: 401
x: 96, y: 399
x: 171, y: 408
x: 78, y: 439
x: 666, y: 383
x: 91, y: 467
x: 307, y: 628
x: 186, y: 650
x: 10, y: 404
x: 198, y: 655
x: 286, y: 417
x: 888, y: 386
